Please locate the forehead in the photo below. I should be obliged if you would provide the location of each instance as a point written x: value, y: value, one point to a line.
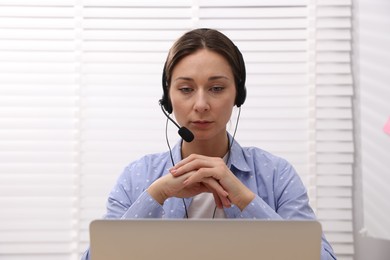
x: 205, y: 62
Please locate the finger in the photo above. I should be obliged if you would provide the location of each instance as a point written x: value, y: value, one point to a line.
x: 217, y: 200
x: 222, y: 202
x: 218, y: 191
x: 191, y: 163
x: 226, y: 202
x: 189, y: 166
x: 215, y: 187
x: 192, y: 190
x: 183, y: 162
x: 200, y: 176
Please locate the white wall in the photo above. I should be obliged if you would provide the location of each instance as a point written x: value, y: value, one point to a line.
x: 372, y: 107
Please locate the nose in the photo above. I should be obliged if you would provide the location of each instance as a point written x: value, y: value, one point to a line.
x: 201, y: 102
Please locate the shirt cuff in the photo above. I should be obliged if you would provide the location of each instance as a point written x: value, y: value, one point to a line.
x: 258, y: 209
x: 144, y: 207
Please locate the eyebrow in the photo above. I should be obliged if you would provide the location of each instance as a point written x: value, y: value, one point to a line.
x: 218, y: 77
x: 209, y: 79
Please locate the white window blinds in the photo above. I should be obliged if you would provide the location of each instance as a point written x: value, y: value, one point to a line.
x: 79, y: 88
x: 334, y: 148
x: 38, y: 129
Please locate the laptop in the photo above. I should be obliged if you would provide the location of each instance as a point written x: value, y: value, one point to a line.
x: 204, y: 239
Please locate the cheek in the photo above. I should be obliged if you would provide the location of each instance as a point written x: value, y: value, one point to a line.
x: 226, y: 111
x: 180, y: 110
x: 177, y: 105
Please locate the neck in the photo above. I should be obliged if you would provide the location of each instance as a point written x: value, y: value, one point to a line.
x: 217, y: 147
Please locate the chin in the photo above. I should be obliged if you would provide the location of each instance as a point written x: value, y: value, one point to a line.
x: 206, y: 136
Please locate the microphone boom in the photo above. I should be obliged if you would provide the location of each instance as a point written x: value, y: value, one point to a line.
x: 184, y: 132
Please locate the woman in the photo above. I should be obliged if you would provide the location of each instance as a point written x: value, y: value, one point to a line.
x: 211, y: 176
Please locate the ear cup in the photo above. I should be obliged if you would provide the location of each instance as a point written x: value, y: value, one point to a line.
x: 165, y: 102
x: 241, y: 94
x: 241, y: 89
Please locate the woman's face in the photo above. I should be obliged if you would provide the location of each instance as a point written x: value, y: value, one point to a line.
x: 202, y: 93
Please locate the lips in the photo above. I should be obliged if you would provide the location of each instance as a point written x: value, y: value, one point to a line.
x: 201, y: 123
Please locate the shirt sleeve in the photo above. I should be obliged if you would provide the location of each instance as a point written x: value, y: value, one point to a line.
x: 86, y: 256
x: 286, y: 196
x: 290, y: 202
x: 129, y: 198
x: 144, y: 207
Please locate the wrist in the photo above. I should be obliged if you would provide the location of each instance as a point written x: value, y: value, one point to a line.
x: 156, y: 193
x: 243, y: 203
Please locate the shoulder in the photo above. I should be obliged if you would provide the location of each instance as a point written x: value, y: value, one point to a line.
x: 273, y: 170
x: 259, y: 160
x: 154, y: 161
x: 262, y: 156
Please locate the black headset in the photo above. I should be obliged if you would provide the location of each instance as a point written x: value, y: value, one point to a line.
x: 240, y: 85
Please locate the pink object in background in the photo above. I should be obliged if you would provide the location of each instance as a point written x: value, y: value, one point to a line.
x: 386, y: 128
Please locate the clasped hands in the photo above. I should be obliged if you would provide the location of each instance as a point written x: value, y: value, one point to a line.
x: 197, y: 174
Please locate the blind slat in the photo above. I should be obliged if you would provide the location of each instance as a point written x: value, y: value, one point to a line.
x: 264, y: 3
x: 36, y: 11
x: 265, y: 23
x: 250, y: 12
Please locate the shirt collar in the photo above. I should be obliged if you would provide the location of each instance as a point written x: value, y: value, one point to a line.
x: 237, y: 159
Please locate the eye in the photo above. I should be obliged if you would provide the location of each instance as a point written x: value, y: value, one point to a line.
x: 217, y: 88
x: 186, y: 90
